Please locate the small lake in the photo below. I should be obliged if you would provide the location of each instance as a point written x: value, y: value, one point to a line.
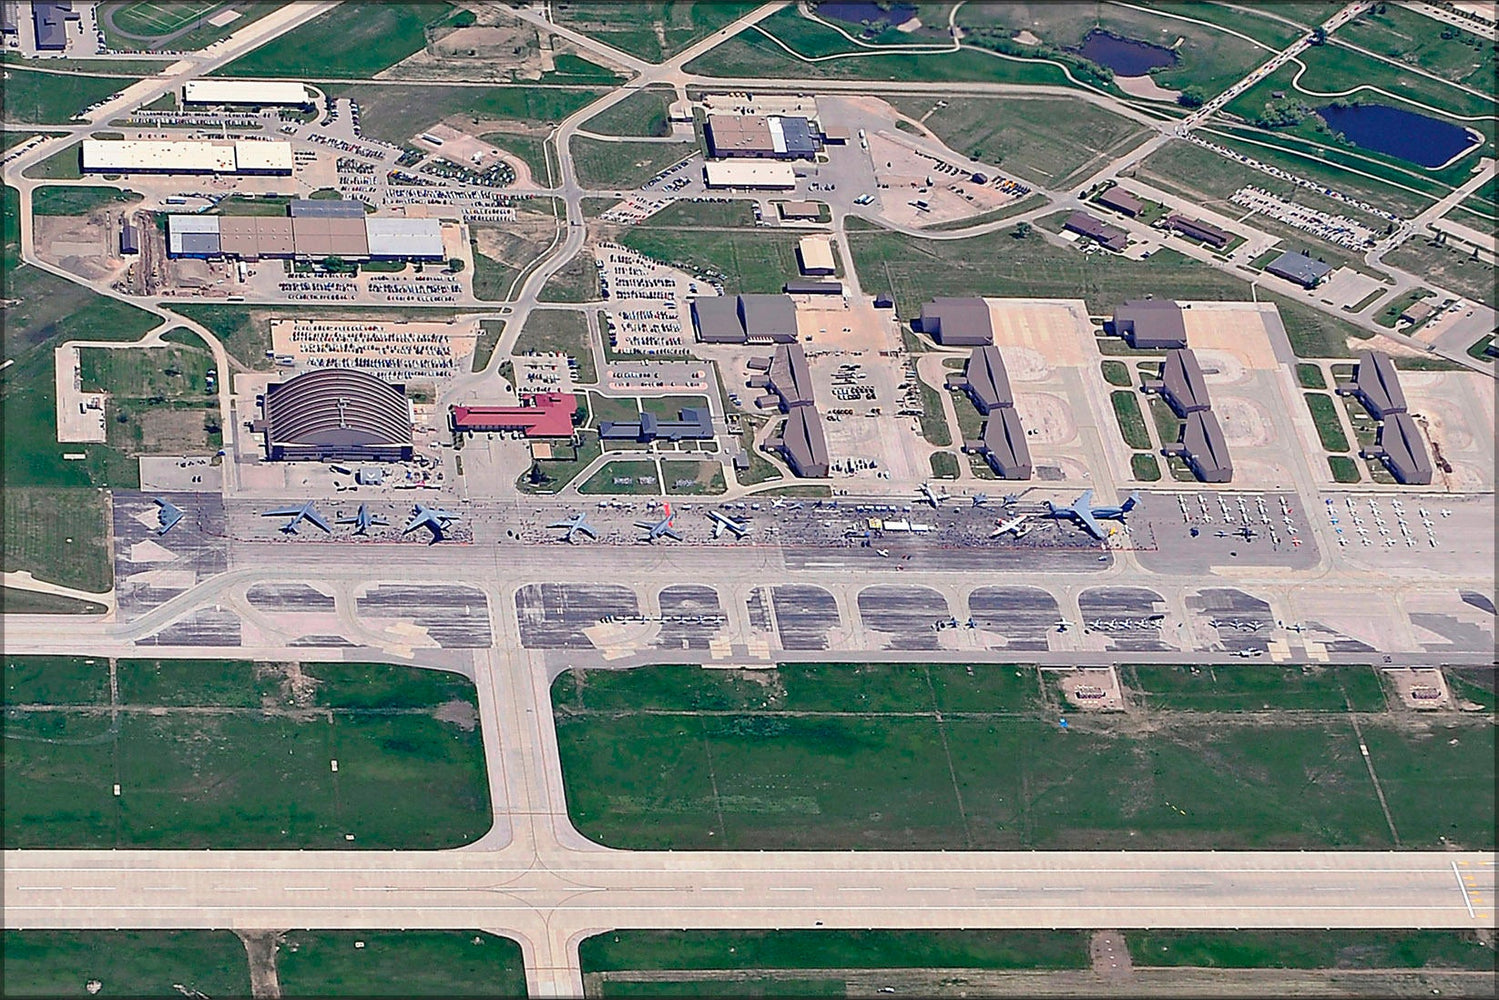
x: 858, y: 13
x: 1425, y: 141
x: 1125, y: 56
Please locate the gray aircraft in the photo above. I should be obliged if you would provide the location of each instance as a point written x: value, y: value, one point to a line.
x: 434, y: 519
x: 723, y: 522
x: 931, y: 496
x: 575, y: 524
x: 659, y: 529
x: 1083, y: 512
x: 306, y: 512
x: 363, y: 520
x: 167, y: 515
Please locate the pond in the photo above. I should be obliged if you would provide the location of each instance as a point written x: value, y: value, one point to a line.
x: 859, y: 13
x: 1125, y: 56
x: 1425, y: 141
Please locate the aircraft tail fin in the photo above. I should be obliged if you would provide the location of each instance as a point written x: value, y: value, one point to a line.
x: 1129, y: 505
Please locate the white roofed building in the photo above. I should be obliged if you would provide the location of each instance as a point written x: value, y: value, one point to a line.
x: 248, y: 93
x: 187, y: 156
x: 759, y: 175
x: 400, y: 238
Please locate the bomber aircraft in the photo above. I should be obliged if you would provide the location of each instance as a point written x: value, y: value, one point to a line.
x: 167, y: 515
x: 306, y: 512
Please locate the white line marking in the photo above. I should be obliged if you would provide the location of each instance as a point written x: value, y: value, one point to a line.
x: 1467, y: 900
x: 928, y: 888
x: 790, y: 888
x: 722, y: 888
x: 859, y: 888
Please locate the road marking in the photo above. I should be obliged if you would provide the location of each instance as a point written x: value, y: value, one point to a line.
x: 721, y: 888
x: 996, y: 888
x: 1467, y: 900
x: 859, y: 888
x: 313, y: 888
x: 163, y: 888
x: 928, y: 888
x: 790, y: 888
x: 1061, y: 888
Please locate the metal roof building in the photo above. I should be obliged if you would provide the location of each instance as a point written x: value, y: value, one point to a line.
x: 749, y: 176
x: 807, y: 286
x: 957, y: 322
x: 1375, y: 384
x: 1204, y: 448
x: 985, y: 380
x: 50, y: 21
x: 543, y: 414
x: 1096, y: 229
x: 1181, y: 384
x: 187, y: 156
x: 249, y: 93
x: 336, y: 413
x: 801, y: 209
x: 787, y: 377
x: 1003, y: 445
x: 776, y: 137
x: 130, y: 239
x: 1300, y: 268
x: 815, y: 254
x: 739, y: 319
x: 803, y: 443
x: 256, y: 236
x: 693, y: 423
x: 321, y: 236
x: 1199, y: 230
x: 1151, y: 324
x: 325, y: 208
x: 193, y: 236
x: 1400, y: 446
x: 1121, y: 200
x: 404, y: 239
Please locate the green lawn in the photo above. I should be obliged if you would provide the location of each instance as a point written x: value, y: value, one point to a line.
x: 641, y: 28
x: 644, y: 480
x: 59, y: 535
x: 1447, y: 267
x: 34, y: 96
x: 706, y: 477
x: 745, y: 260
x: 1390, y: 315
x: 1117, y: 373
x: 410, y: 963
x: 1044, y: 140
x: 643, y: 113
x: 255, y: 771
x: 396, y: 112
x: 576, y: 281
x: 1309, y: 376
x: 1253, y: 687
x: 1435, y: 46
x: 1343, y: 468
x: 1144, y: 467
x: 1131, y: 420
x: 624, y: 165
x: 944, y: 465
x: 531, y: 149
x: 78, y: 200
x: 1329, y: 426
x: 354, y: 40
x: 64, y: 165
x: 173, y: 372
x: 1331, y: 949
x: 14, y: 601
x: 558, y: 472
x: 564, y: 330
x: 675, y: 757
x: 638, y: 950
x: 45, y: 963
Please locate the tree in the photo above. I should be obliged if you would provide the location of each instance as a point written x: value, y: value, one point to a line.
x: 455, y: 264
x: 1021, y: 230
x: 1192, y: 97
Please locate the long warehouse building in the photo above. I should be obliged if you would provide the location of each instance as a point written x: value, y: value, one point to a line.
x: 187, y: 156
x: 311, y: 237
x: 246, y: 93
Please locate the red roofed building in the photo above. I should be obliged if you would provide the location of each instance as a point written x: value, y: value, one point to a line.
x: 543, y: 414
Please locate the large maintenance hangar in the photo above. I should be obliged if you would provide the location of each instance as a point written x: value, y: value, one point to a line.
x: 266, y: 157
x: 744, y: 319
x: 336, y: 414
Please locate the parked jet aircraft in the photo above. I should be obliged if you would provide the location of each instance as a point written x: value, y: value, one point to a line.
x: 306, y: 512
x: 167, y: 515
x: 930, y: 495
x: 575, y: 524
x: 1014, y: 525
x: 979, y: 499
x: 1083, y: 512
x: 659, y: 529
x: 434, y: 519
x: 723, y: 522
x: 363, y: 520
x: 1062, y: 624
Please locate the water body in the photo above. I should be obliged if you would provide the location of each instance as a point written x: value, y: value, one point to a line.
x: 1423, y: 140
x: 858, y: 13
x: 1125, y: 56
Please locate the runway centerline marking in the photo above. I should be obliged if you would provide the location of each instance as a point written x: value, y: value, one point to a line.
x: 1467, y: 900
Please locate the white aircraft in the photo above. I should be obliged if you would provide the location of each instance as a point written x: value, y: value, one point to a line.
x: 930, y: 495
x: 723, y: 522
x: 1292, y: 626
x: 1062, y: 624
x: 882, y: 553
x: 778, y: 503
x: 1013, y: 525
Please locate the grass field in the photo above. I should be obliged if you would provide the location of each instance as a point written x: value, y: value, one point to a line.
x: 64, y: 165
x: 624, y: 164
x: 33, y: 96
x: 828, y: 757
x: 996, y: 264
x: 944, y: 465
x: 644, y: 479
x: 1329, y: 427
x: 78, y: 200
x: 1144, y: 467
x: 396, y: 112
x: 355, y: 40
x: 1046, y: 141
x: 1117, y: 373
x: 642, y: 113
x: 1447, y: 267
x: 637, y: 950
x: 744, y: 260
x: 175, y: 372
x: 153, y: 18
x: 1331, y: 949
x: 45, y: 963
x: 1131, y: 420
x: 399, y: 963
x: 531, y: 149
x: 1456, y: 55
x: 59, y: 535
x: 1254, y: 687
x: 641, y: 28
x: 563, y: 330
x: 14, y: 601
x: 706, y: 477
x: 230, y: 754
x: 1310, y: 376
x: 576, y: 281
x: 558, y: 472
x: 1343, y: 468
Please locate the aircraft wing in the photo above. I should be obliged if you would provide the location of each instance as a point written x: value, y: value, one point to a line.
x: 282, y: 512
x: 416, y: 522
x: 587, y: 530
x: 670, y: 532
x: 1085, y: 502
x: 317, y: 519
x: 1085, y: 515
x: 647, y: 525
x: 718, y: 527
x: 562, y: 524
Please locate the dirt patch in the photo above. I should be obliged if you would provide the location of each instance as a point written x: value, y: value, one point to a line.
x: 516, y: 244
x: 1110, y: 956
x: 459, y: 713
x: 1092, y: 688
x: 260, y: 948
x: 1420, y: 688
x: 294, y: 686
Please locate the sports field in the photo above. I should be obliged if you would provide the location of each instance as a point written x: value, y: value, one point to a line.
x: 232, y: 754
x: 947, y: 756
x: 153, y: 18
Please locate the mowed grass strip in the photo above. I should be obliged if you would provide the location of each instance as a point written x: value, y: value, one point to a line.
x: 1253, y: 687
x: 867, y: 763
x: 155, y: 963
x: 229, y: 754
x: 648, y: 950
x: 58, y: 535
x: 354, y: 40
x: 408, y: 963
x: 1319, y: 949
